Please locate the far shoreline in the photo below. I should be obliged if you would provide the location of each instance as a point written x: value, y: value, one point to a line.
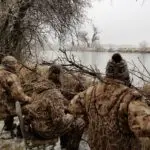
x: 111, y: 51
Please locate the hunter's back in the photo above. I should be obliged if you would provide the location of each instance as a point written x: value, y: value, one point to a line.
x: 107, y: 109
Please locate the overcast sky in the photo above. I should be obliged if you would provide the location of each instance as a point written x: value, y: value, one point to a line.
x: 121, y: 21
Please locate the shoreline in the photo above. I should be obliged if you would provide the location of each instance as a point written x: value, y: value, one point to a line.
x: 110, y: 51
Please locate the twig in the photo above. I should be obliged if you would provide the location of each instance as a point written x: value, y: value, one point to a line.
x: 144, y: 66
x: 91, y: 71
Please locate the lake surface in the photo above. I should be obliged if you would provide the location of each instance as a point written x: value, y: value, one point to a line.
x: 100, y: 59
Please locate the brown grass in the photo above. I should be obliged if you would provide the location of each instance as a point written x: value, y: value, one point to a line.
x: 146, y: 89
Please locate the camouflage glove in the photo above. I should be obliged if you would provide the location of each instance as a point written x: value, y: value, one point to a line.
x: 67, y: 111
x: 27, y: 100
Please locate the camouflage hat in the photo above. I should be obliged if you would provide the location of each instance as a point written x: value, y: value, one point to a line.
x: 55, y: 69
x: 9, y: 61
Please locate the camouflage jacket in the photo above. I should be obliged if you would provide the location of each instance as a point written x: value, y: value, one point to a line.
x: 118, y: 71
x: 10, y: 92
x: 116, y: 116
x: 46, y: 114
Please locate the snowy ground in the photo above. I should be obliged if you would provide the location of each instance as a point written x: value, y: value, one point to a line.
x: 18, y: 144
x: 6, y: 143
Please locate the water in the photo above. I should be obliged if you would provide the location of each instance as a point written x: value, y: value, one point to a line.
x: 100, y: 59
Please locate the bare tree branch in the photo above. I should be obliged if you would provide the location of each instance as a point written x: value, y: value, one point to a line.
x: 24, y: 23
x: 81, y: 68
